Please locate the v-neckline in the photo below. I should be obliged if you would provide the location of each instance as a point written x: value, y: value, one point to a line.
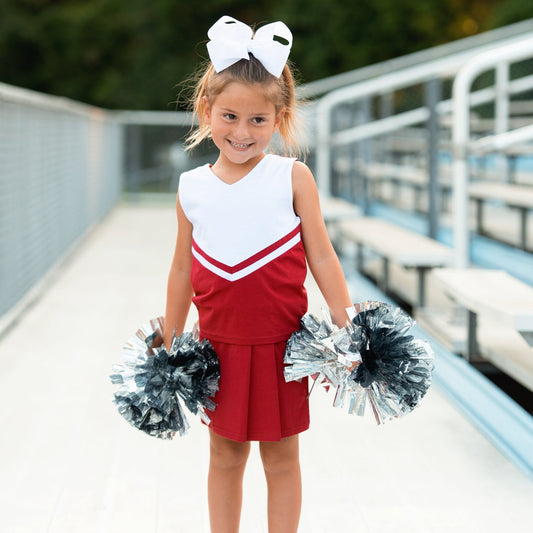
x: 240, y: 180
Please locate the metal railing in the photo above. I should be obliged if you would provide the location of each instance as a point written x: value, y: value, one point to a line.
x: 330, y: 136
x: 60, y: 172
x: 498, y: 59
x: 348, y: 120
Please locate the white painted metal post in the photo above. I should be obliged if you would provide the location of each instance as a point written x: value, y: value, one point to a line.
x: 461, y: 135
x: 502, y: 97
x: 323, y: 159
x: 501, y: 112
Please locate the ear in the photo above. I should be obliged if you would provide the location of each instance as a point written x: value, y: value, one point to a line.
x: 207, y: 111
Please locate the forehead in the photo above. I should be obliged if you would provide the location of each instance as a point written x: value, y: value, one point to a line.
x: 245, y: 97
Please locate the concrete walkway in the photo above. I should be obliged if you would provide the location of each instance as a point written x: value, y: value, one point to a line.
x: 70, y: 463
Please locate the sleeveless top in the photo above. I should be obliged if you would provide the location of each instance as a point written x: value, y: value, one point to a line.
x: 248, y: 261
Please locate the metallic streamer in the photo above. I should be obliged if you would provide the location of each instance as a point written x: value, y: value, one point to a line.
x: 152, y: 380
x: 395, y: 369
x: 311, y: 351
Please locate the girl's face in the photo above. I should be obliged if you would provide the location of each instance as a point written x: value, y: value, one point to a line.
x: 242, y: 122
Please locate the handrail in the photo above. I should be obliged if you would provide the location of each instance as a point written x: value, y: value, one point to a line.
x: 155, y: 118
x: 494, y: 58
x: 502, y: 141
x: 21, y: 95
x: 443, y: 68
x: 417, y: 116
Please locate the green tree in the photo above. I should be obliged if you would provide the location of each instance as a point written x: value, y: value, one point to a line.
x: 133, y: 53
x: 511, y: 11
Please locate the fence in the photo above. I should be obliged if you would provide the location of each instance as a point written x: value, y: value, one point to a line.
x: 60, y: 172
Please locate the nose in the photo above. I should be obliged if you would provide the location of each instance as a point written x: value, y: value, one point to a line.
x: 241, y: 130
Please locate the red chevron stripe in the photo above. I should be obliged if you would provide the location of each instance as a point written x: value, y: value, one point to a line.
x: 251, y: 260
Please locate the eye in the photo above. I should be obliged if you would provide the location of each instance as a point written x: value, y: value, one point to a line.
x: 258, y: 120
x: 229, y: 116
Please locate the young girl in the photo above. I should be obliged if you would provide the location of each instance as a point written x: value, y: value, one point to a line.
x: 246, y: 226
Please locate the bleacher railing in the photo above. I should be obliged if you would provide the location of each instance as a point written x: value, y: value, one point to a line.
x: 410, y: 106
x: 498, y: 60
x: 60, y: 173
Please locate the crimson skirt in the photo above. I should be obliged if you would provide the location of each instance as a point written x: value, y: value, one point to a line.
x: 253, y: 401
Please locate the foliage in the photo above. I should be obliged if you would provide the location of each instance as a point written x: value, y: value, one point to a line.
x: 511, y: 11
x: 132, y: 54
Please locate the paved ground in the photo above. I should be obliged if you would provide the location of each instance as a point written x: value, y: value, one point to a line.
x: 69, y: 463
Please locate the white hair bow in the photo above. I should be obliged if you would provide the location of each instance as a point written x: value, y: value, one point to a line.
x: 232, y: 41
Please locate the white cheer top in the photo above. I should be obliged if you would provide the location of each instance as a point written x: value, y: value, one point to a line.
x: 232, y: 222
x: 248, y: 258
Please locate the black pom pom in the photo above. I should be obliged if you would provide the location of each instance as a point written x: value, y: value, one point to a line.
x: 394, y: 371
x: 152, y: 380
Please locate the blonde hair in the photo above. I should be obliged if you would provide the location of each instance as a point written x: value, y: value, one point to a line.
x: 280, y: 91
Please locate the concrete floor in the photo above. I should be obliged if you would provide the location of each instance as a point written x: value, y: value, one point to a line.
x: 70, y: 463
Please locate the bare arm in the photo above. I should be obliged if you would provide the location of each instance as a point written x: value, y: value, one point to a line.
x: 319, y: 251
x: 179, y: 288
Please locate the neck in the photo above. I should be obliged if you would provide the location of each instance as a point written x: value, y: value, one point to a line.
x: 231, y: 172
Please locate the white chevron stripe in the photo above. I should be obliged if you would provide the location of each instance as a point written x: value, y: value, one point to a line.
x: 250, y: 268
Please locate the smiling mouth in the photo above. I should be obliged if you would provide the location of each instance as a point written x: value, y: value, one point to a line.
x: 240, y: 146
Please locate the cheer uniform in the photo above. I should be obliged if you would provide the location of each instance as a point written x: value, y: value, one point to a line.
x: 248, y: 271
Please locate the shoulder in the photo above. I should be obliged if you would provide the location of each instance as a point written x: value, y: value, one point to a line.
x: 194, y: 173
x: 303, y: 181
x: 304, y: 192
x: 191, y: 185
x: 193, y: 179
x: 278, y: 163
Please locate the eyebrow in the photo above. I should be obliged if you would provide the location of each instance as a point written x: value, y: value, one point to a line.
x: 228, y: 110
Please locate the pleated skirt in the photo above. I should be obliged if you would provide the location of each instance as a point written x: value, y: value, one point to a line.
x: 254, y: 403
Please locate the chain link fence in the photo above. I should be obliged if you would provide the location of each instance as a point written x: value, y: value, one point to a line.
x: 60, y: 172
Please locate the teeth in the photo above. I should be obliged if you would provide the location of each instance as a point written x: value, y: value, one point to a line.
x: 239, y: 145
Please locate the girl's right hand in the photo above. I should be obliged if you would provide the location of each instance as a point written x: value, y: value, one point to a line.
x: 350, y: 312
x: 158, y: 339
